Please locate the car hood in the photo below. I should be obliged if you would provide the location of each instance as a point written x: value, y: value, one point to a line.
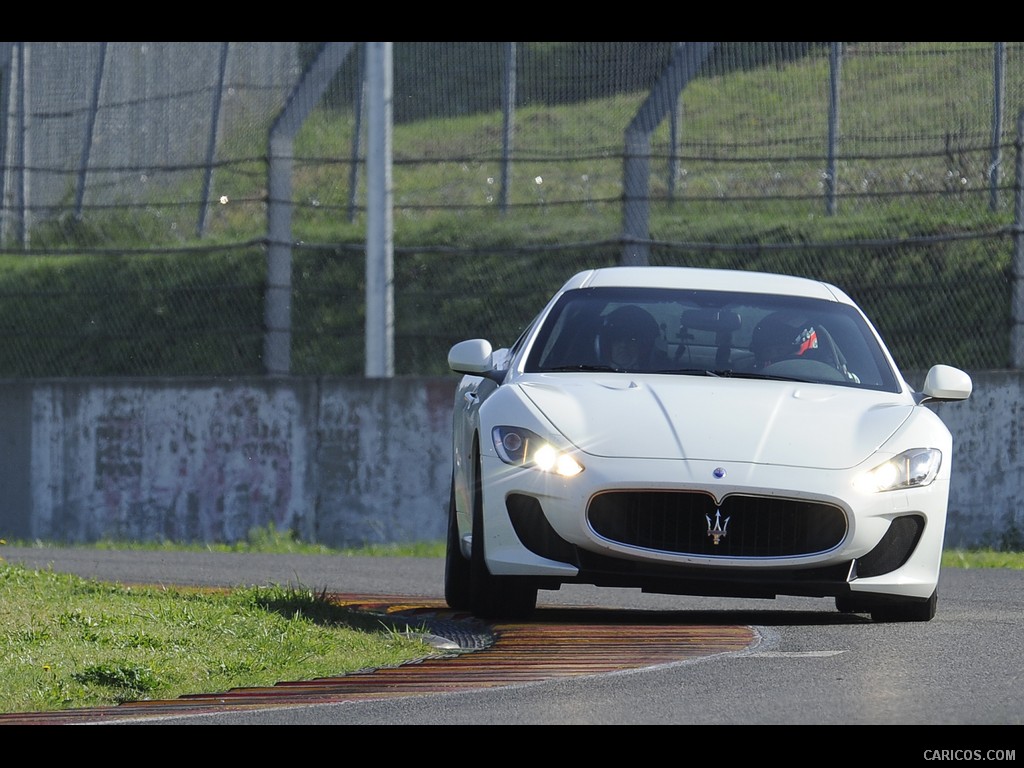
x: 716, y: 419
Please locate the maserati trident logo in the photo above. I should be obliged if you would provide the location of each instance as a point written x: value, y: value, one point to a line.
x: 718, y: 531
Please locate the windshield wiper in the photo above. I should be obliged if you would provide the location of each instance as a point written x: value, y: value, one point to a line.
x: 584, y: 367
x: 724, y: 373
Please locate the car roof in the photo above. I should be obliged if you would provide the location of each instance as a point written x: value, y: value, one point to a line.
x: 698, y: 278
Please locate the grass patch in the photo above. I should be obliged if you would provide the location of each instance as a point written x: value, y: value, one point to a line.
x: 267, y: 540
x: 68, y: 642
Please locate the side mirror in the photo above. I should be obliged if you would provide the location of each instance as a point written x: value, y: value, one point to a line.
x: 472, y: 356
x: 944, y: 382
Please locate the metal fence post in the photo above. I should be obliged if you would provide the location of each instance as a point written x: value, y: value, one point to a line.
x: 357, y: 137
x: 278, y: 303
x: 835, y: 61
x: 998, y: 98
x: 1017, y: 308
x: 90, y: 126
x: 211, y: 144
x: 508, y: 108
x: 19, y: 197
x: 7, y: 51
x: 380, y: 311
x: 687, y: 59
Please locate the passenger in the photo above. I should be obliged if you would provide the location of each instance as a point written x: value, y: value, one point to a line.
x: 627, y: 338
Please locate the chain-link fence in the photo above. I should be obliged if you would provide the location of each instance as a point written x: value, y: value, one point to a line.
x: 136, y: 191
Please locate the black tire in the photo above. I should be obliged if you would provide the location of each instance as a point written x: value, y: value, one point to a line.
x: 909, y: 610
x: 494, y: 597
x: 456, y: 567
x: 846, y: 604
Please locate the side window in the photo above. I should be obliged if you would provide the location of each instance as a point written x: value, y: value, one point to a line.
x: 514, y: 350
x: 857, y: 355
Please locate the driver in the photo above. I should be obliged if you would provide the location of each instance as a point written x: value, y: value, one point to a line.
x: 627, y: 338
x: 785, y: 335
x: 781, y: 336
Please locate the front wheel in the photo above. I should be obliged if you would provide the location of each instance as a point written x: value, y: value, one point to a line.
x: 494, y: 597
x: 890, y: 612
x: 456, y: 567
x: 909, y: 610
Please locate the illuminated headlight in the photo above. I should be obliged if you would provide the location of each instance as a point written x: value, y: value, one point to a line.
x: 522, y: 448
x: 911, y: 469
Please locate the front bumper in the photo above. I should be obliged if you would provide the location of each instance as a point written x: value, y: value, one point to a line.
x: 791, y: 532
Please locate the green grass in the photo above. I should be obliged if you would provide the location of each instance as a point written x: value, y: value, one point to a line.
x: 67, y: 642
x: 265, y: 540
x: 982, y: 558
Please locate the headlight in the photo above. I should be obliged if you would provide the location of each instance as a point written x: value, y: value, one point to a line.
x: 911, y: 469
x: 522, y: 448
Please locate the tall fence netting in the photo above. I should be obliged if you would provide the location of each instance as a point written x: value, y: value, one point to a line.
x: 134, y: 178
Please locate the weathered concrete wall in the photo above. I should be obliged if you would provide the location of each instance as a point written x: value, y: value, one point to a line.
x: 986, y: 496
x: 342, y: 462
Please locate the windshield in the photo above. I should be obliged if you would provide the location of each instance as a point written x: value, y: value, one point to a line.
x: 718, y: 333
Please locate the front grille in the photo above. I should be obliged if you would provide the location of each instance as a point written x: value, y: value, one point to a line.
x: 746, y: 526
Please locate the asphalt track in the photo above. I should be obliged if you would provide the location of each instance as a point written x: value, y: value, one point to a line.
x: 597, y: 655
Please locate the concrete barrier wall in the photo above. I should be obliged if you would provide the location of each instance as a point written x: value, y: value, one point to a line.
x: 341, y: 462
x: 986, y: 496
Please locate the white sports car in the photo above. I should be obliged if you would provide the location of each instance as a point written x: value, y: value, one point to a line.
x: 697, y: 432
